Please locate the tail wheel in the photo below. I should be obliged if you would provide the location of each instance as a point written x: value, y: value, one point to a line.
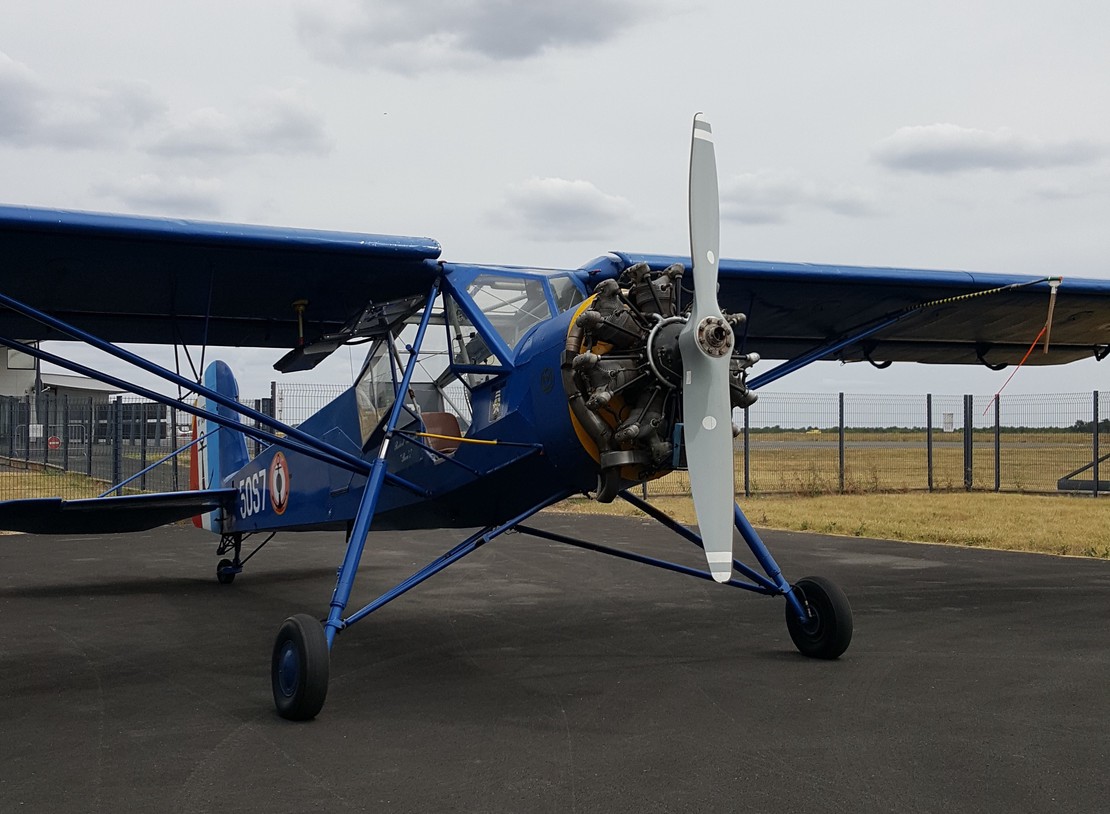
x: 827, y: 631
x: 225, y: 574
x: 299, y: 668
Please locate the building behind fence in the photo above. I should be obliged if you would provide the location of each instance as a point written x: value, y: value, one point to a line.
x: 790, y: 443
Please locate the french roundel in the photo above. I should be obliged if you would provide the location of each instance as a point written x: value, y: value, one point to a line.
x: 279, y: 483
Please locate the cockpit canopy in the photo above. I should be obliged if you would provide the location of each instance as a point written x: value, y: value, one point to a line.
x: 489, y: 311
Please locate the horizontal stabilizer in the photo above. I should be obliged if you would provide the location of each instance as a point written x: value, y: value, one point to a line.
x: 109, y: 515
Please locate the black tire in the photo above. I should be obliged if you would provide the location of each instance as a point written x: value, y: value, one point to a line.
x: 222, y: 576
x: 299, y: 668
x: 828, y: 632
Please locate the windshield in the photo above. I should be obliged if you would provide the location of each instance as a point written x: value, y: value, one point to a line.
x: 374, y: 390
x: 512, y: 305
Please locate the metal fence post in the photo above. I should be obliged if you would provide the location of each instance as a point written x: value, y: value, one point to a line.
x: 255, y: 443
x: 117, y: 442
x: 27, y: 435
x: 840, y: 440
x: 90, y: 431
x: 1094, y: 444
x: 747, y: 454
x: 142, y: 444
x: 173, y: 446
x: 929, y: 438
x: 11, y: 427
x: 44, y: 422
x: 969, y: 443
x: 998, y: 443
x: 65, y: 433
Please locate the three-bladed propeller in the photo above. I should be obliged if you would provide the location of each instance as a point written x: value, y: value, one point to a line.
x: 706, y: 344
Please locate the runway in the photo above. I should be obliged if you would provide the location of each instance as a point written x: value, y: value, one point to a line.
x: 537, y: 677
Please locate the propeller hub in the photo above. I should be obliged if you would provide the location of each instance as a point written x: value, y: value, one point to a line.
x: 714, y: 337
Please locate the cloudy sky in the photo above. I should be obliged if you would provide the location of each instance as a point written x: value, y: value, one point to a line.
x: 936, y: 135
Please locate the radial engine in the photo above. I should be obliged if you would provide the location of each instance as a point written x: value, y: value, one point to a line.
x: 622, y: 371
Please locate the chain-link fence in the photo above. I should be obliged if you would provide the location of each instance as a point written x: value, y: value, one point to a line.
x: 829, y: 443
x: 789, y: 444
x: 80, y: 446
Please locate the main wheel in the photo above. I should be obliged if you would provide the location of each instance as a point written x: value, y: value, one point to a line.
x: 828, y: 630
x: 222, y: 576
x: 299, y: 668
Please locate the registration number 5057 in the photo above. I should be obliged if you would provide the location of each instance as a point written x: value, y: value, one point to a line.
x: 252, y: 494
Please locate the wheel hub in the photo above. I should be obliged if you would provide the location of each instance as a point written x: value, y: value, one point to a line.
x: 289, y: 670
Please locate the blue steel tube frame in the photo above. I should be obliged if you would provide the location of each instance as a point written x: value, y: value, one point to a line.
x: 773, y: 583
x: 643, y: 560
x: 682, y: 531
x: 767, y: 562
x: 369, y: 502
x: 321, y: 451
x: 174, y: 378
x: 467, y: 546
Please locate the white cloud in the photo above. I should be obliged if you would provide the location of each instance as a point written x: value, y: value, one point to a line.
x: 413, y: 36
x: 174, y: 195
x: 32, y: 113
x: 560, y: 210
x: 127, y: 114
x: 277, y: 122
x: 772, y: 196
x: 286, y: 121
x: 950, y: 148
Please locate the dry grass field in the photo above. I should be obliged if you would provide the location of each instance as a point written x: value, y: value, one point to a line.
x: 18, y: 483
x: 795, y: 480
x: 800, y: 464
x: 1047, y: 524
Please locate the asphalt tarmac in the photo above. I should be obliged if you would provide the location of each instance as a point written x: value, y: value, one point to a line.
x: 537, y: 677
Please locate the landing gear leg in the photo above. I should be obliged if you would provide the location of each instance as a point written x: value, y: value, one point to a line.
x: 227, y: 569
x: 818, y: 615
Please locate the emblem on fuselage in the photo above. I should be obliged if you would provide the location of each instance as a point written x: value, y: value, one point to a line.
x: 279, y: 483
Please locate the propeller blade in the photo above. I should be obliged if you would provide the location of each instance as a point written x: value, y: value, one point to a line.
x: 706, y: 343
x: 705, y: 217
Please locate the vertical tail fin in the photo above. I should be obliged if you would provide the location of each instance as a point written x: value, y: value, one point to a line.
x: 222, y: 453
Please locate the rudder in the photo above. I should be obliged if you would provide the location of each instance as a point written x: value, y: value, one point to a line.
x: 225, y: 451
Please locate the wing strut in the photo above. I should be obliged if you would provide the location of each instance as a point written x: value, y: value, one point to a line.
x: 332, y: 453
x: 321, y: 451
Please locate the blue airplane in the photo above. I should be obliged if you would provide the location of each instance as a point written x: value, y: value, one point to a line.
x: 579, y: 381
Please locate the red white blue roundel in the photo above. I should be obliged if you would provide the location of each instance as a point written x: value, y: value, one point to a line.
x: 279, y: 483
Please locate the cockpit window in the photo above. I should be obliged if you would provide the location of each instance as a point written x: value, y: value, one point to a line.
x: 566, y: 293
x: 374, y: 391
x: 511, y: 304
x: 467, y: 345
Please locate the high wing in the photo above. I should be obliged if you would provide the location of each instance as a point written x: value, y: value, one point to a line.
x: 159, y: 280
x: 793, y: 308
x: 165, y: 281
